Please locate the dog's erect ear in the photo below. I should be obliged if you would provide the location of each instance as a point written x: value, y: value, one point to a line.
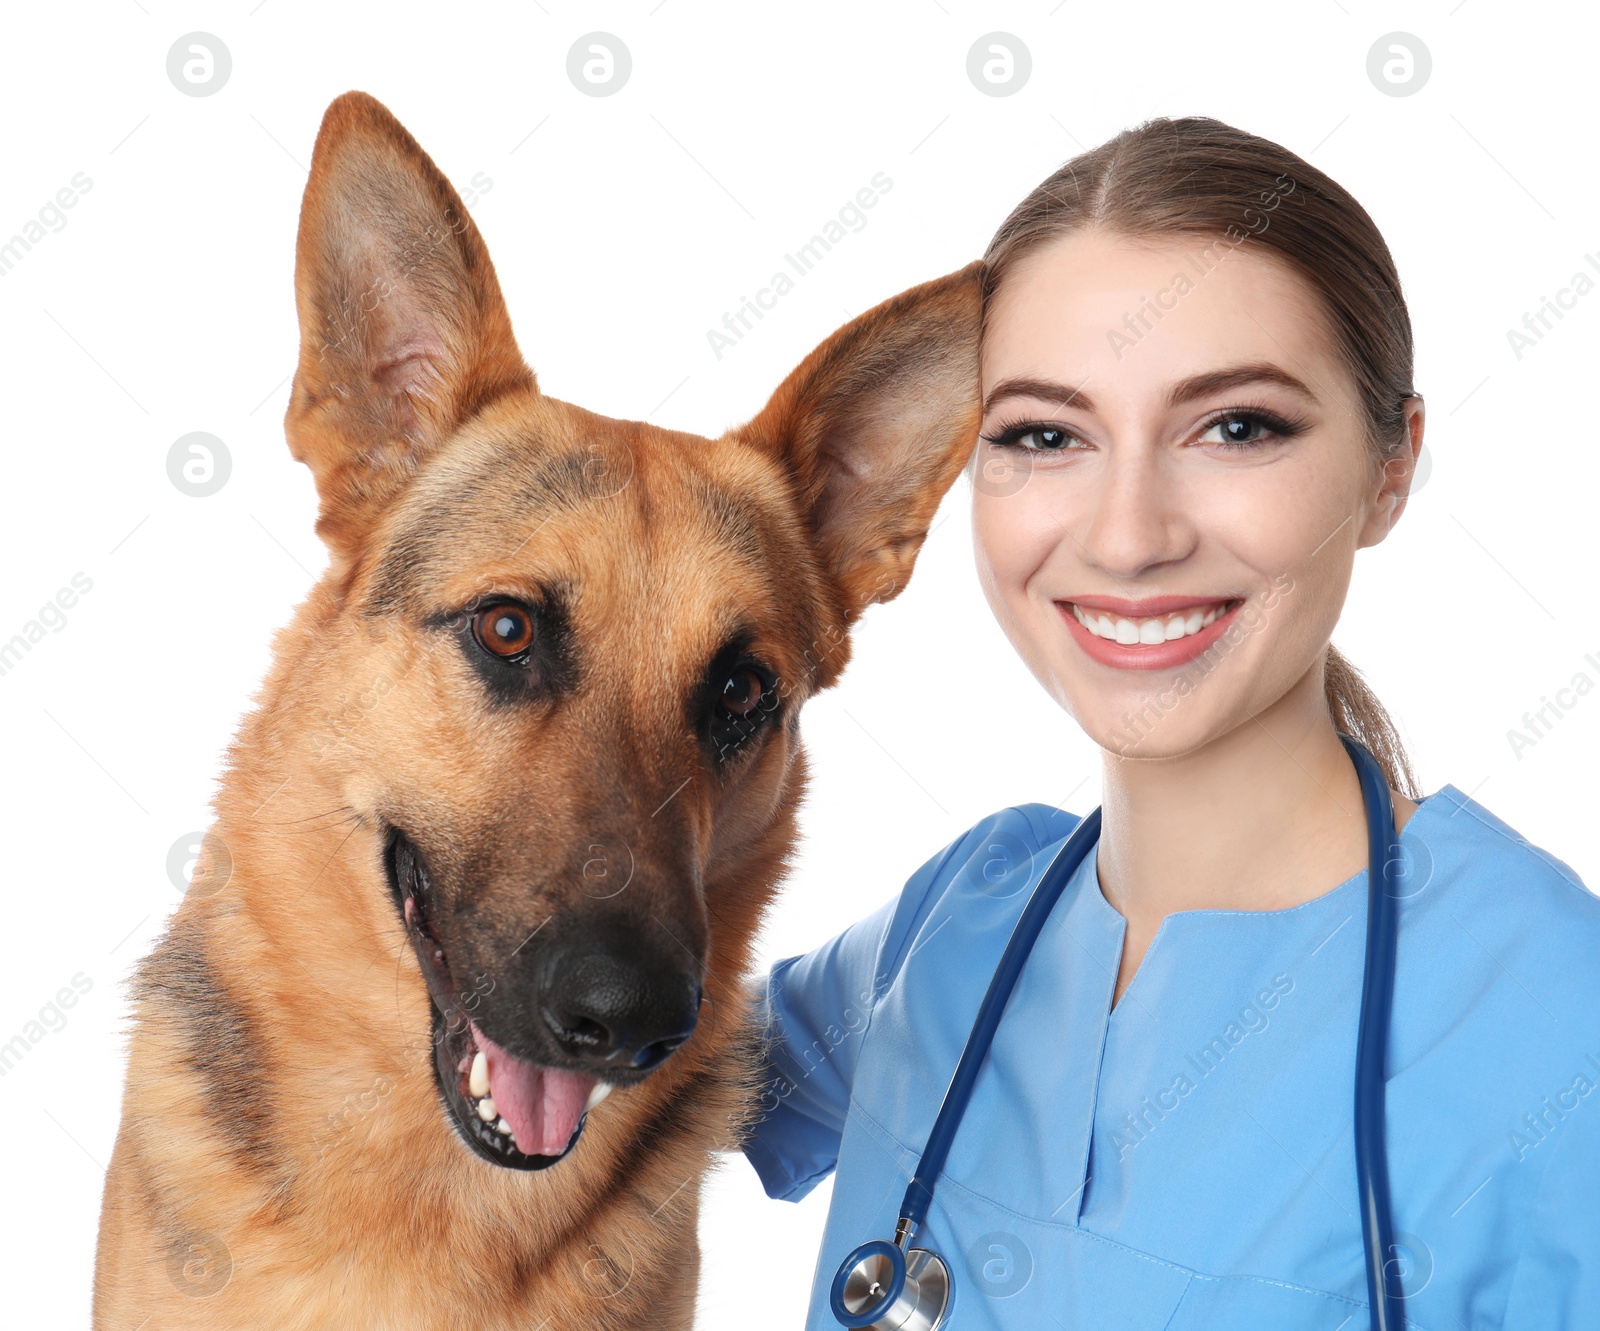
x: 403, y: 331
x: 874, y: 425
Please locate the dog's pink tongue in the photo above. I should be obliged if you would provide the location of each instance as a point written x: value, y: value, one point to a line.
x: 542, y: 1105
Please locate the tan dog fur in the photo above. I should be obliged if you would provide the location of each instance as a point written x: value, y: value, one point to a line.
x: 284, y: 1158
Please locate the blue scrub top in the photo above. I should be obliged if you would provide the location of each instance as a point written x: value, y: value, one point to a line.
x: 1185, y: 1160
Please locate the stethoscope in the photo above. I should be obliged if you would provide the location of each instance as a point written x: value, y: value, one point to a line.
x: 888, y: 1286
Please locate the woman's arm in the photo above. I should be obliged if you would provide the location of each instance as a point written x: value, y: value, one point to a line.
x: 815, y: 1010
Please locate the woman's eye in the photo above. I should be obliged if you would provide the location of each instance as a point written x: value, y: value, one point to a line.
x: 1235, y: 431
x: 1033, y: 437
x: 1244, y: 430
x: 504, y: 629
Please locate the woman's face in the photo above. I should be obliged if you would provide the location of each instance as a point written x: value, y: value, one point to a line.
x: 1167, y: 526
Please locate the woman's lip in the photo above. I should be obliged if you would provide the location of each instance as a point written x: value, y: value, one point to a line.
x: 1147, y: 656
x: 1150, y: 607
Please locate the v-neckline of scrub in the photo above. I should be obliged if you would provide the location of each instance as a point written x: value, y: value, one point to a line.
x: 1406, y: 835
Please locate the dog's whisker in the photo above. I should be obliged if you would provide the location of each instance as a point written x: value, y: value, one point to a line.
x: 337, y: 808
x: 312, y: 825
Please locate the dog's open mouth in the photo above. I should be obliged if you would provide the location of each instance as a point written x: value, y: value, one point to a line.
x: 511, y: 1111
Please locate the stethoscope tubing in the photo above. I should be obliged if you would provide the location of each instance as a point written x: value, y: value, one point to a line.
x: 1387, y: 1306
x: 1372, y: 1041
x: 1023, y: 936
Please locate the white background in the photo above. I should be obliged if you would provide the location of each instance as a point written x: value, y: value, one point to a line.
x: 622, y: 228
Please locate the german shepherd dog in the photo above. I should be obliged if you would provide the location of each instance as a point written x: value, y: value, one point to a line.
x: 455, y: 1012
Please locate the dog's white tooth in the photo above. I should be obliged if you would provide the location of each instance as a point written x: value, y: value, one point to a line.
x: 601, y: 1090
x: 486, y: 1110
x: 504, y: 1127
x: 479, y: 1078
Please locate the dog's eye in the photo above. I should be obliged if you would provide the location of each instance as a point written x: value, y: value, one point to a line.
x: 747, y: 698
x: 503, y: 629
x: 743, y: 692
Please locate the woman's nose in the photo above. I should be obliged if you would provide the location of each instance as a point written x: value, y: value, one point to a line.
x: 1135, y: 517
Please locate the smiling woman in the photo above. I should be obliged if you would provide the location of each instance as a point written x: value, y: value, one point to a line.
x: 1265, y: 232
x: 1169, y: 487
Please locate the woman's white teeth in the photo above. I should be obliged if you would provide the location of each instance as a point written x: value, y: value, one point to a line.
x: 1162, y: 628
x: 601, y: 1090
x: 478, y: 1079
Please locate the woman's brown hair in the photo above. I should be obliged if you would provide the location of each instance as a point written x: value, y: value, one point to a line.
x: 1199, y: 177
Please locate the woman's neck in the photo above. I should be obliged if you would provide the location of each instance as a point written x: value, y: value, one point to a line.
x: 1268, y: 816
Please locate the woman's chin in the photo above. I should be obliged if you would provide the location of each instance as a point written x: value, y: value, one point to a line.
x: 1157, y: 720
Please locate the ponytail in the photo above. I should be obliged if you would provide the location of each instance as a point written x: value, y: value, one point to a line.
x: 1358, y: 713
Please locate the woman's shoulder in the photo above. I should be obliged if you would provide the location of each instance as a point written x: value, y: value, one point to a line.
x: 982, y: 869
x: 1500, y: 951
x: 1492, y: 872
x: 1001, y: 846
x: 1496, y: 1043
x: 1017, y: 833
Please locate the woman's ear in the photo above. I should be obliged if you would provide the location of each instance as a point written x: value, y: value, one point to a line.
x: 1395, y: 478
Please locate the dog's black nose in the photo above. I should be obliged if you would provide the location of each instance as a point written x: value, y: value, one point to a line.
x: 610, y: 1003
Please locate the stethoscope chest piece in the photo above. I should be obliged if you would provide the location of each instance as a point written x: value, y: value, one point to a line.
x: 879, y: 1288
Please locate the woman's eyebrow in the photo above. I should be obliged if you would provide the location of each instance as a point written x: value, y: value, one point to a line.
x: 1219, y: 381
x: 1046, y: 390
x: 1185, y: 390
